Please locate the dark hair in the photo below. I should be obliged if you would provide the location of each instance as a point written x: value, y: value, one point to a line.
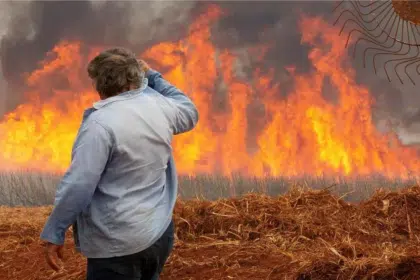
x: 114, y: 71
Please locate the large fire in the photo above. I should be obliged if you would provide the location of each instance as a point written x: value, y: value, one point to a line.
x: 302, y: 134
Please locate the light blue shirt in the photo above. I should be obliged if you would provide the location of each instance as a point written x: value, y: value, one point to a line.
x: 121, y: 187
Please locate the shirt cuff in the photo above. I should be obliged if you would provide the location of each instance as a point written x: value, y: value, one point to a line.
x: 151, y: 76
x: 50, y: 235
x: 151, y: 72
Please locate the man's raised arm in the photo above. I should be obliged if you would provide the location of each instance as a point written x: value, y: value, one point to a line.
x: 186, y: 114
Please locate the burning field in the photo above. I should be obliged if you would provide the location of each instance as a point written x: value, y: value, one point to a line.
x: 263, y: 124
x: 304, y: 234
x: 315, y: 123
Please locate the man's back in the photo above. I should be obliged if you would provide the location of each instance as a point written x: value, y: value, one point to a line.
x: 122, y: 176
x: 131, y: 205
x: 120, y: 189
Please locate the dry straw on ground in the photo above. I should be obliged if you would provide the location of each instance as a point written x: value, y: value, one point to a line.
x: 304, y: 234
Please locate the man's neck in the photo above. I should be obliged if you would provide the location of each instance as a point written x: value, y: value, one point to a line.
x: 131, y: 87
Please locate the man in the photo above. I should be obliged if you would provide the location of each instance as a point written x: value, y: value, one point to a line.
x: 121, y: 187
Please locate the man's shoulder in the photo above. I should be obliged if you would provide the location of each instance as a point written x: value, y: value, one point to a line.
x: 96, y: 118
x: 150, y: 91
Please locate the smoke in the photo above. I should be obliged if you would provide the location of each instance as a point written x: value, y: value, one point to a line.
x: 275, y: 22
x: 395, y: 104
x: 6, y: 16
x: 28, y: 30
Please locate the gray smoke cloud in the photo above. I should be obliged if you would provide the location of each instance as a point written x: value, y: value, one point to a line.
x: 397, y: 104
x: 251, y: 23
x: 30, y: 29
x: 6, y: 16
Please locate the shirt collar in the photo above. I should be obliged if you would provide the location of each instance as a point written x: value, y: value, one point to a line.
x: 122, y: 96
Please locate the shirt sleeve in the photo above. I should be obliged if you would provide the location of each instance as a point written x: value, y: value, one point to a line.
x: 185, y: 115
x: 90, y: 155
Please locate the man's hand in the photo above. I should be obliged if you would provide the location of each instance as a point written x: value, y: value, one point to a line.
x: 144, y: 66
x: 54, y: 252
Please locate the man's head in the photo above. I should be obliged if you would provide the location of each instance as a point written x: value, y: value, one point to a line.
x: 115, y: 71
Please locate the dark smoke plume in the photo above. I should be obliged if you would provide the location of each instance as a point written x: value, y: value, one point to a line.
x: 35, y: 27
x: 276, y: 22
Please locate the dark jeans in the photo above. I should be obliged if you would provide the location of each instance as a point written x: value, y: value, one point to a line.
x: 145, y: 265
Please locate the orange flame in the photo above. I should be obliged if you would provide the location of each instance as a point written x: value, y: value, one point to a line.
x: 302, y: 134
